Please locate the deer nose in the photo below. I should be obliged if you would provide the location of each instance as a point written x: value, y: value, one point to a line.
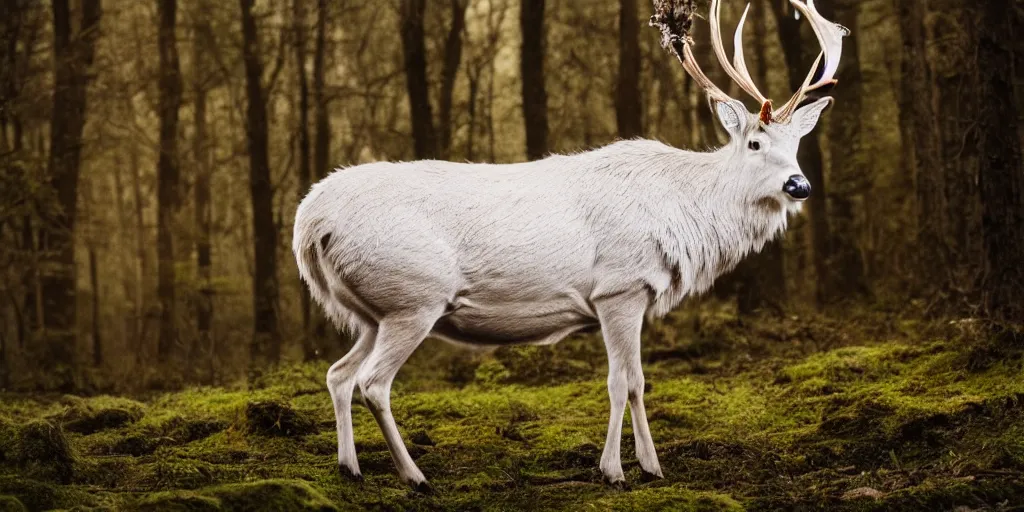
x: 797, y: 187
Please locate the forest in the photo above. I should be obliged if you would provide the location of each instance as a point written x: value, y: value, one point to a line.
x: 158, y: 350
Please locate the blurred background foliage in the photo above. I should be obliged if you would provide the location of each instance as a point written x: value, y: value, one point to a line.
x: 152, y: 155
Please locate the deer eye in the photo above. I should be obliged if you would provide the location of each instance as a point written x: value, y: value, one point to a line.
x: 754, y: 145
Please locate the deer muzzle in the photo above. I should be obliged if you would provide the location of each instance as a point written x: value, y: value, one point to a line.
x: 797, y: 187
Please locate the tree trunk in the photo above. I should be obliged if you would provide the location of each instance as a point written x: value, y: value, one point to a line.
x: 474, y: 92
x: 94, y: 287
x: 202, y: 194
x: 1002, y: 176
x: 414, y: 51
x: 168, y: 178
x: 762, y: 278
x: 628, y: 107
x: 921, y: 144
x: 844, y: 278
x: 322, y: 330
x: 73, y: 57
x: 266, y: 342
x: 322, y: 144
x: 452, y: 59
x: 809, y: 154
x: 531, y: 62
x: 309, y: 349
x: 141, y: 266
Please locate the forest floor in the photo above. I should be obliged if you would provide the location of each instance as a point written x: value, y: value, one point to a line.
x: 874, y: 412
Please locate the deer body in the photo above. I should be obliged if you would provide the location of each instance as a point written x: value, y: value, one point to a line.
x: 532, y: 252
x: 519, y: 253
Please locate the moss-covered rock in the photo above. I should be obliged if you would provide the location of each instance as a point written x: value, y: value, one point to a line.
x: 273, y: 418
x: 674, y: 498
x: 102, y: 413
x: 11, y: 504
x: 43, y: 452
x: 37, y: 495
x: 264, y: 495
x: 178, y: 501
x: 271, y: 495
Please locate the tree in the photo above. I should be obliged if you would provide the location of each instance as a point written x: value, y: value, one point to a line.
x: 809, y: 155
x: 308, y: 347
x: 321, y: 329
x: 415, y: 56
x: 628, y: 105
x: 322, y: 144
x: 266, y: 341
x: 919, y: 132
x: 73, y: 57
x: 1001, y: 179
x: 953, y: 45
x: 531, y: 62
x: 844, y: 277
x: 168, y: 177
x: 201, y: 45
x: 452, y: 59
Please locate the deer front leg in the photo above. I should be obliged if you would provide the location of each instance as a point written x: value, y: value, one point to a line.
x: 621, y: 319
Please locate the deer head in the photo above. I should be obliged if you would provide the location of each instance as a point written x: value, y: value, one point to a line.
x: 763, y: 145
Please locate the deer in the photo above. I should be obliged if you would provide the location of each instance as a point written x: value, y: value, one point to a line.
x: 528, y: 253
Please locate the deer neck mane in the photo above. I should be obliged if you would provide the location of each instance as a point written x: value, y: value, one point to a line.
x: 708, y: 222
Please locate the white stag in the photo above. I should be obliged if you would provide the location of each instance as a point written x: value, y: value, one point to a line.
x: 532, y: 252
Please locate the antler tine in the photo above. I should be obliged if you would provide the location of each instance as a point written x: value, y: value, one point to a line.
x: 830, y: 37
x: 738, y: 70
x: 693, y: 69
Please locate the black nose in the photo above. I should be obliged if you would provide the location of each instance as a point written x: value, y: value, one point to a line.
x: 797, y: 187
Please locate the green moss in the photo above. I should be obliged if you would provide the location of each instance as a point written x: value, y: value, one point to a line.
x: 43, y: 452
x: 179, y: 501
x: 37, y: 495
x: 266, y: 495
x: 781, y: 414
x: 11, y: 504
x: 673, y: 498
x: 273, y: 418
x: 99, y: 413
x: 271, y: 495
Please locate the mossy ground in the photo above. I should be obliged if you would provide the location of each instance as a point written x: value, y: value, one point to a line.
x: 868, y: 413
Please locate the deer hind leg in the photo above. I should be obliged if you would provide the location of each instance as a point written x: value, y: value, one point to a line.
x: 341, y: 381
x: 397, y: 338
x: 645, y: 453
x: 621, y: 320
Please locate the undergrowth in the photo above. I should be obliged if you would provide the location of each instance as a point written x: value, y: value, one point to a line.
x: 871, y: 412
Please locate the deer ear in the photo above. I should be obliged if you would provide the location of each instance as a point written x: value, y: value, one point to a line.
x: 733, y: 116
x: 806, y: 117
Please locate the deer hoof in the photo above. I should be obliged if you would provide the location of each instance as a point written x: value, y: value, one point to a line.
x: 646, y: 476
x: 350, y: 474
x: 618, y: 484
x: 423, y: 487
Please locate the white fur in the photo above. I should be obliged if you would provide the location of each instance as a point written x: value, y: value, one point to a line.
x: 532, y: 252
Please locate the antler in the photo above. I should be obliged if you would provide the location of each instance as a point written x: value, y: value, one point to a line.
x: 738, y: 69
x: 675, y: 19
x: 830, y: 36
